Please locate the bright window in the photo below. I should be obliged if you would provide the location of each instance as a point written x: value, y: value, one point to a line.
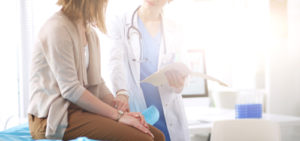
x: 21, y: 20
x: 10, y: 43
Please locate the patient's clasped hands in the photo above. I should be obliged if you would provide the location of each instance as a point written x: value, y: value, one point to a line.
x: 134, y: 119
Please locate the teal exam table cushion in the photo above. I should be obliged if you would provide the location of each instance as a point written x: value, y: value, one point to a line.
x: 21, y: 133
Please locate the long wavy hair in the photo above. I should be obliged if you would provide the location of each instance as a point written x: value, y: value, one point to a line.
x: 90, y: 11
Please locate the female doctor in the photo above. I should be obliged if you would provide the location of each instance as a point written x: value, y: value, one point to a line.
x: 143, y: 41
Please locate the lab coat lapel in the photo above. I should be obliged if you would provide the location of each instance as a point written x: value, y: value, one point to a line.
x: 172, y: 102
x: 166, y: 42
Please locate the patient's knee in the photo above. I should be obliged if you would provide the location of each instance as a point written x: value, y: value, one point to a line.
x: 159, y: 136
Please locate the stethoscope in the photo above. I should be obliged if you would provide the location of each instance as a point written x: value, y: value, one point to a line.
x: 132, y: 27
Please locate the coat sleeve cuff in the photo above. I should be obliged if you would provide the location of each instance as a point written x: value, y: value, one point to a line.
x: 74, y: 97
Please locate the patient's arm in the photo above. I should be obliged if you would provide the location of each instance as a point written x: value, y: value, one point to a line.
x: 108, y: 99
x: 91, y: 103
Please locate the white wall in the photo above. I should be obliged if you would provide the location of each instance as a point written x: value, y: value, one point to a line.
x: 283, y: 83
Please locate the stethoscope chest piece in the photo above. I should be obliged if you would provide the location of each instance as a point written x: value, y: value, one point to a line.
x: 140, y: 61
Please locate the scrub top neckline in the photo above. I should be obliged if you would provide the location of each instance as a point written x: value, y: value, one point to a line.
x: 155, y: 37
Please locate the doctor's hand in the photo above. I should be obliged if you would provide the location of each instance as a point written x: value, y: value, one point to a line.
x: 121, y: 103
x: 176, y: 79
x: 131, y: 120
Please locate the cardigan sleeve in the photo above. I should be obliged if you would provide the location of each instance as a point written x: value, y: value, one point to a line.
x: 59, y: 52
x: 104, y: 89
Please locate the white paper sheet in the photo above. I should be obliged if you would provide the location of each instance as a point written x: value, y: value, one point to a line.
x: 159, y: 78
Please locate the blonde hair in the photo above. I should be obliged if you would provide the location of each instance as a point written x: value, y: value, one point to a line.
x: 90, y: 11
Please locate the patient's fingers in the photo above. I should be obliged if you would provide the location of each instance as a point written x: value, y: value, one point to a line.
x: 140, y: 117
x: 130, y: 120
x: 121, y: 104
x: 124, y: 107
x: 144, y: 121
x: 142, y: 128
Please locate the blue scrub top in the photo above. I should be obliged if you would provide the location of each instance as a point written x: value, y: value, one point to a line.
x: 151, y: 47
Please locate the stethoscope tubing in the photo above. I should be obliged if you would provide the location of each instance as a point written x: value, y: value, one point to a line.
x: 132, y: 27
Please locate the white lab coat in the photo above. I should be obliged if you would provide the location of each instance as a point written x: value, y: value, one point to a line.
x: 125, y: 73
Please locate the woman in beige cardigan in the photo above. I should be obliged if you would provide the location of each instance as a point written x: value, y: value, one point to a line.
x: 69, y: 97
